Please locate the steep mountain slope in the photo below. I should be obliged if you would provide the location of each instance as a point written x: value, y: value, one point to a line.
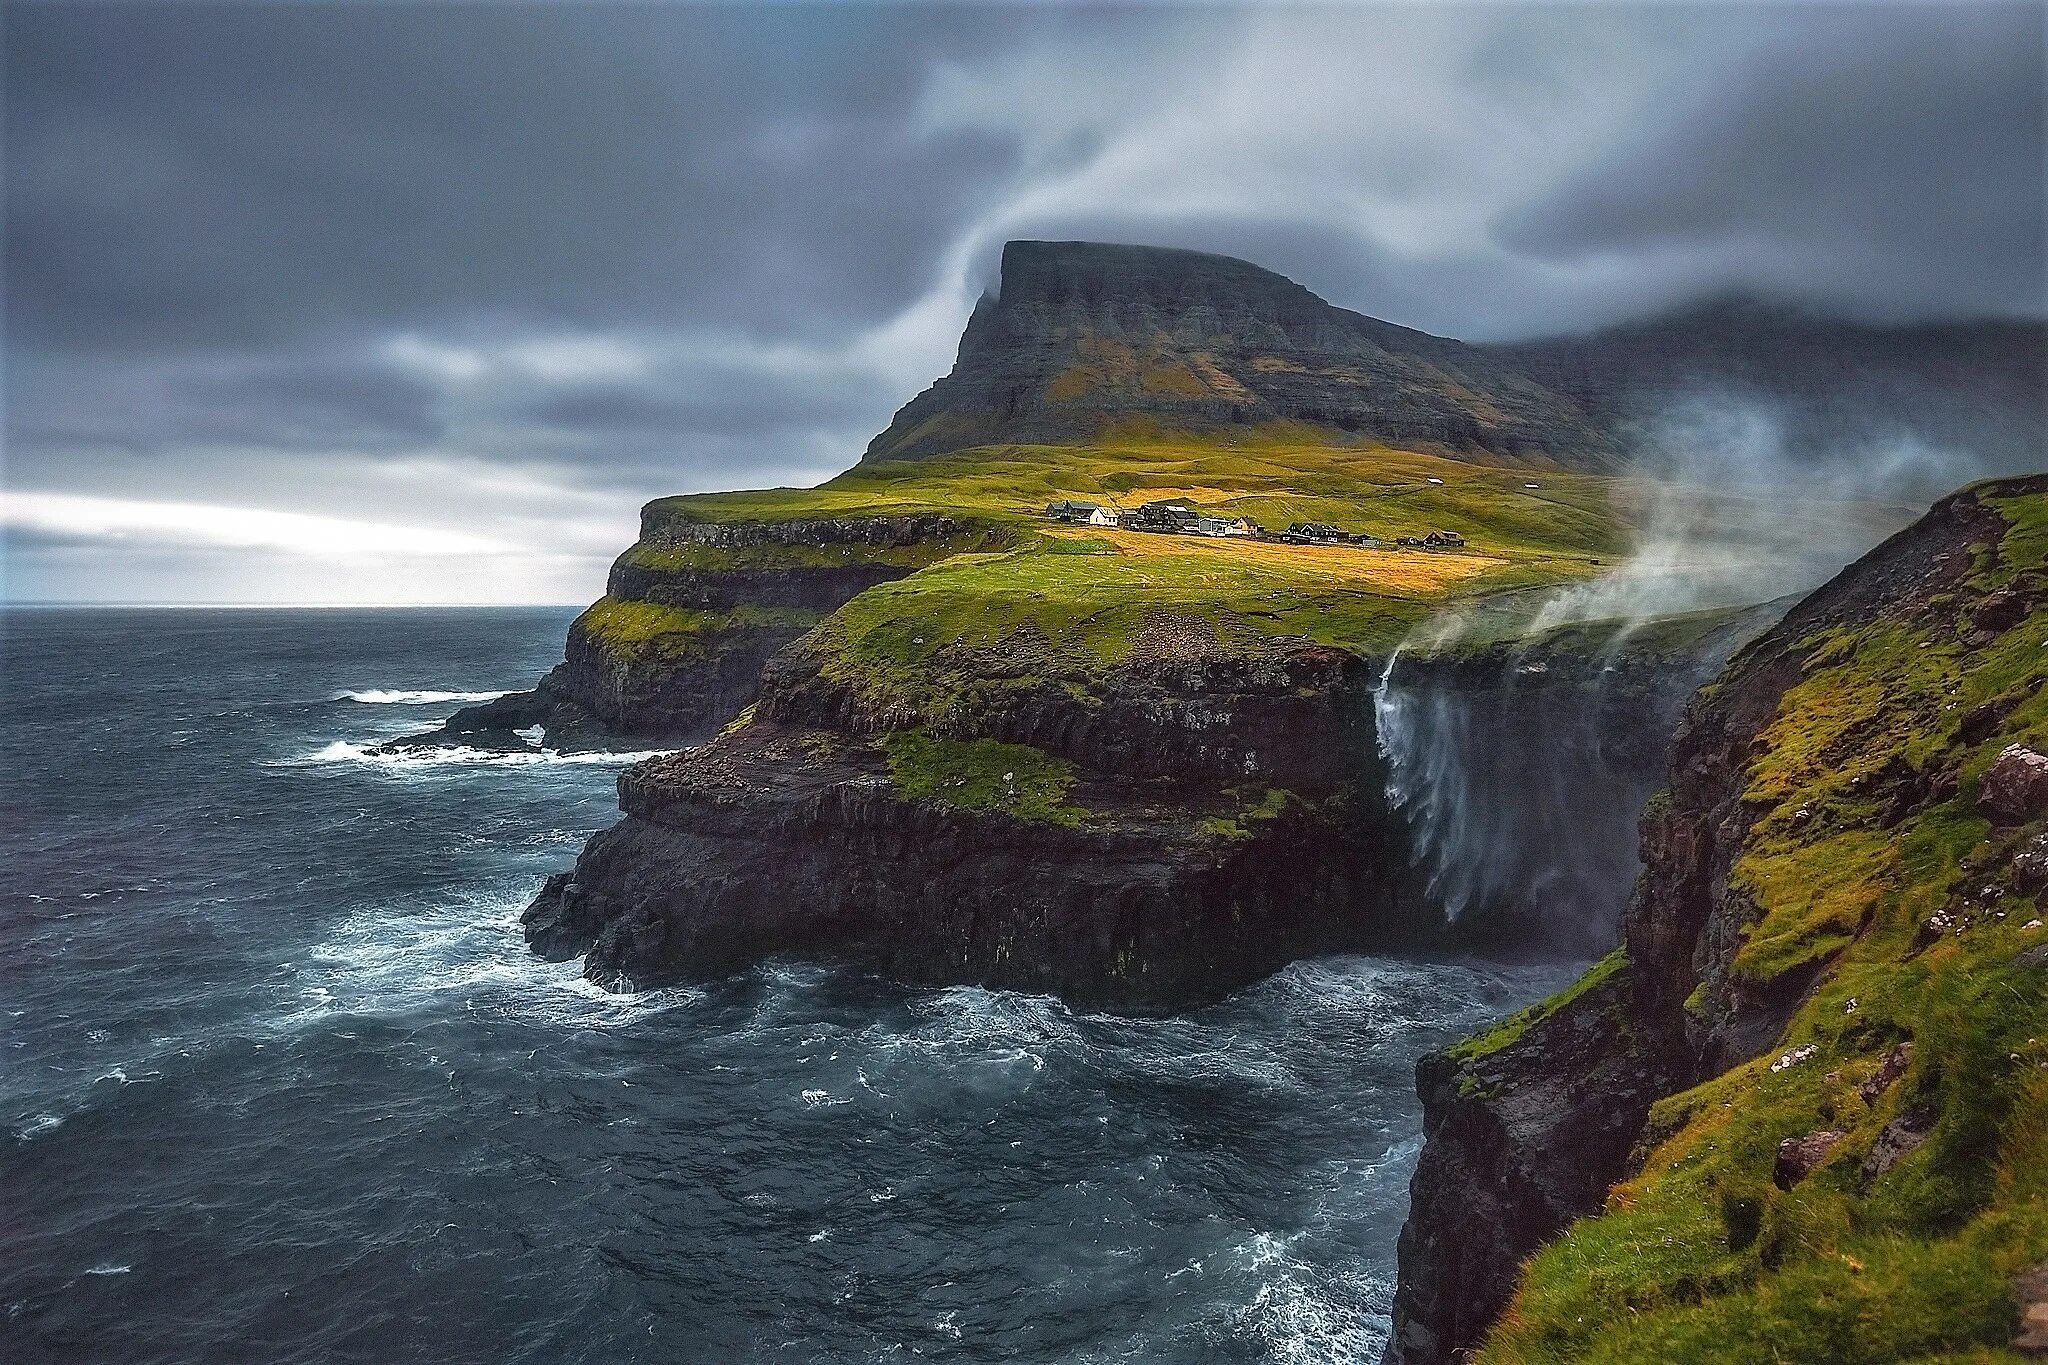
x: 1818, y: 1065
x: 1082, y: 338
x: 1974, y: 391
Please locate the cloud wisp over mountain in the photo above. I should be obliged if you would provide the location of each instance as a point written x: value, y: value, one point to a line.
x: 500, y: 273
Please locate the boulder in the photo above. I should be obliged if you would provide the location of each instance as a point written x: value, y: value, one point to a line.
x: 2030, y: 867
x: 1800, y: 1157
x: 1895, y: 1141
x: 2015, y: 787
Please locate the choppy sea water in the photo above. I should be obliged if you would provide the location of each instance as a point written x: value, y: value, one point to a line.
x: 281, y: 1083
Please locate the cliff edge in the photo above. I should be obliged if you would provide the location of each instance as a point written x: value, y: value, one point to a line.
x: 1801, y: 1113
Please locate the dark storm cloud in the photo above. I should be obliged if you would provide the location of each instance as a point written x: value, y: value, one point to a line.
x: 1890, y: 164
x: 466, y: 265
x: 199, y: 174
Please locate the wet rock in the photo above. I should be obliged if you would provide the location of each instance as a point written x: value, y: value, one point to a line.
x: 2015, y: 787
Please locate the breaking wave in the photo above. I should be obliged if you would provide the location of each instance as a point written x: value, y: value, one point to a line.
x: 405, y: 697
x: 459, y: 755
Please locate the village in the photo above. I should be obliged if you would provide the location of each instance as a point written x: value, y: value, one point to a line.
x: 1178, y: 519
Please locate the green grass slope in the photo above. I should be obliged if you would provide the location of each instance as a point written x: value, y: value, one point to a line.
x: 1918, y: 930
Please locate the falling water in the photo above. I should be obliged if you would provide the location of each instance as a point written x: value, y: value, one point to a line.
x: 1521, y: 779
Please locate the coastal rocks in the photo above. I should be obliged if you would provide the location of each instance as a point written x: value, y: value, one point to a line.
x: 1518, y: 1135
x: 2015, y: 787
x: 1139, y: 836
x: 961, y: 861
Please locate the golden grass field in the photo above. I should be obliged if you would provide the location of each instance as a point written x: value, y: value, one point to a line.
x: 1407, y: 571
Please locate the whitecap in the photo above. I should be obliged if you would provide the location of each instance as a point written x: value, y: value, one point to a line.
x: 460, y: 755
x: 395, y: 960
x: 378, y: 696
x: 108, y: 1268
x: 41, y: 1123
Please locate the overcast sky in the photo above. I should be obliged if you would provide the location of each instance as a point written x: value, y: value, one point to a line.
x: 419, y: 302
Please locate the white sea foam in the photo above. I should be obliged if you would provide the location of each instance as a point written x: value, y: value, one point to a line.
x: 395, y: 960
x: 41, y: 1123
x: 460, y: 755
x: 380, y: 696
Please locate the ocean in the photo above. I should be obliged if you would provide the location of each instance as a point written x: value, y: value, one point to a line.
x: 281, y: 1082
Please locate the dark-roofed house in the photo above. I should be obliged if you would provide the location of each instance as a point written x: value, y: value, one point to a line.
x: 1071, y: 511
x: 1172, y: 518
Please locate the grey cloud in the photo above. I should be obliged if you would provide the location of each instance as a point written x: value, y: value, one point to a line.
x: 222, y: 220
x: 215, y: 174
x: 1891, y: 164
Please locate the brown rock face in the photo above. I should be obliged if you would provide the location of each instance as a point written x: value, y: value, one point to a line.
x: 1800, y: 1157
x: 2015, y: 788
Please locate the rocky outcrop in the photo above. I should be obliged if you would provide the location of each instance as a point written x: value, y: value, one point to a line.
x: 1083, y: 336
x: 1183, y: 827
x: 1144, y: 836
x: 1527, y: 1127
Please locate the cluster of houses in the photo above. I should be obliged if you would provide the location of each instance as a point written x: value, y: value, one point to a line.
x: 1178, y: 519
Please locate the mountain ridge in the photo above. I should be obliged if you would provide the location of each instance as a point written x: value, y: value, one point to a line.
x: 1080, y: 335
x: 1080, y: 339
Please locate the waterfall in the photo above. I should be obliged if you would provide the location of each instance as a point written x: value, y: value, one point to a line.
x: 1521, y: 779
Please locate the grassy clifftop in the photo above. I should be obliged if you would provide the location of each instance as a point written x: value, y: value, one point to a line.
x: 1869, y: 1187
x: 1087, y: 595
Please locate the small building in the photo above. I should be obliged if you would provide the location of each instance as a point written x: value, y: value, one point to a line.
x: 1071, y: 511
x: 1106, y: 517
x: 1443, y: 540
x: 1166, y: 518
x: 1315, y: 533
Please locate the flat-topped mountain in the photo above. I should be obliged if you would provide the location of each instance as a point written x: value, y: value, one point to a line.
x: 1084, y: 340
x: 1083, y: 336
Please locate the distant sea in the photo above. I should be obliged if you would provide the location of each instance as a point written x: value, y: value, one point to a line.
x: 281, y: 1082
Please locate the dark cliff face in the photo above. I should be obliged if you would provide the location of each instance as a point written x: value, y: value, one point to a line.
x: 1146, y: 838
x: 1185, y: 828
x: 1084, y: 335
x: 1527, y: 1127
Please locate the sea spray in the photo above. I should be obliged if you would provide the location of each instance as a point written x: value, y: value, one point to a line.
x: 1521, y: 749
